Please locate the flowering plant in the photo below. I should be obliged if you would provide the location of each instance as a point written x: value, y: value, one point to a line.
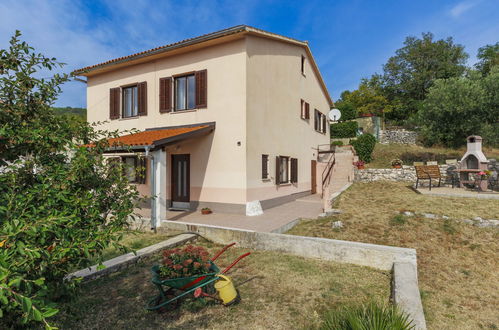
x: 189, y: 261
x: 397, y: 162
x: 359, y: 163
x: 484, y: 174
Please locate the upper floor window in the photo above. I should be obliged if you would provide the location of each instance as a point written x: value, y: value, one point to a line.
x: 185, y: 92
x: 305, y: 110
x: 320, y: 122
x: 130, y: 102
x: 303, y: 65
x: 265, y: 167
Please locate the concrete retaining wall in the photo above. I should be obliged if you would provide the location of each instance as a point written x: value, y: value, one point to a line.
x: 125, y: 260
x: 405, y: 292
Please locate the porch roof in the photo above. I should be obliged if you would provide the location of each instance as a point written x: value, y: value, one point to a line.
x: 158, y: 137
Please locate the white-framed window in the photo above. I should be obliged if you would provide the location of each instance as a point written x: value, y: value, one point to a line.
x: 286, y: 170
x: 283, y: 169
x: 304, y: 109
x: 133, y: 167
x: 130, y: 102
x: 320, y: 122
x: 185, y: 92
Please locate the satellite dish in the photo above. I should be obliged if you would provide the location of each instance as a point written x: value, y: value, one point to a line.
x: 334, y: 115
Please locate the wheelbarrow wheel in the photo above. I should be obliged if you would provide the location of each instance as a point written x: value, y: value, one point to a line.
x: 169, y: 294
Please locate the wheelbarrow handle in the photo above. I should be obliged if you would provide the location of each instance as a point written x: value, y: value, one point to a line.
x: 222, y: 251
x: 234, y: 262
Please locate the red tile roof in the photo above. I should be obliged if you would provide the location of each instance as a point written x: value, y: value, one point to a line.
x: 157, y: 137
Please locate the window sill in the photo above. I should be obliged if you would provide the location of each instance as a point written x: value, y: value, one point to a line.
x: 182, y: 111
x: 285, y: 184
x: 128, y: 118
x: 266, y: 180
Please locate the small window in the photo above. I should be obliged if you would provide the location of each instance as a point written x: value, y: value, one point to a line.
x: 265, y: 167
x: 130, y: 102
x: 130, y: 169
x: 185, y: 93
x: 133, y: 167
x: 305, y: 110
x: 303, y: 65
x: 320, y: 122
x: 284, y: 169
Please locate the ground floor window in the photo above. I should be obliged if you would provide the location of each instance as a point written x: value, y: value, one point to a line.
x: 283, y: 169
x: 134, y: 167
x: 265, y: 167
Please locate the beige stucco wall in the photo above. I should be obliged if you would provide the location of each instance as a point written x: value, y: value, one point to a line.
x: 254, y: 91
x: 275, y: 87
x: 218, y: 164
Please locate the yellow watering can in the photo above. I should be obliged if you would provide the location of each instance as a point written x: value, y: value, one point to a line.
x: 226, y: 290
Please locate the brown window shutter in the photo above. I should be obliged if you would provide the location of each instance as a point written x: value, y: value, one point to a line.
x: 277, y: 170
x: 165, y: 95
x: 201, y: 89
x: 307, y: 111
x: 265, y: 170
x: 324, y: 123
x: 142, y: 98
x: 316, y: 121
x: 302, y: 110
x: 114, y: 103
x: 294, y: 170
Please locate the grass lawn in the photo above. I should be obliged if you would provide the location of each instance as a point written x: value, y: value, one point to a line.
x: 458, y: 263
x: 384, y: 153
x: 278, y: 291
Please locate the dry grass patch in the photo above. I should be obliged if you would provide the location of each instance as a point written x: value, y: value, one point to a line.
x: 458, y: 263
x: 279, y: 291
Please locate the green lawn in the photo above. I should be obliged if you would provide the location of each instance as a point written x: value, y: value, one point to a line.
x: 458, y: 263
x: 279, y: 291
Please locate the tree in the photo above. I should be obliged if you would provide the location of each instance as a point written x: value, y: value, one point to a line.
x: 458, y: 107
x: 61, y: 203
x: 488, y: 57
x: 408, y: 76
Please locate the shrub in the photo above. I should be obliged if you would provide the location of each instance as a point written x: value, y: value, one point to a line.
x: 346, y: 129
x: 61, y: 204
x: 337, y: 143
x: 424, y: 156
x: 398, y: 219
x: 364, y: 146
x: 371, y: 316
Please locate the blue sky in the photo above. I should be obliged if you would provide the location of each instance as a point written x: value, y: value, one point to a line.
x: 349, y: 39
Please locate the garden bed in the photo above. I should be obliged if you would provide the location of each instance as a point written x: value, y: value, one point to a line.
x: 278, y: 291
x: 457, y: 262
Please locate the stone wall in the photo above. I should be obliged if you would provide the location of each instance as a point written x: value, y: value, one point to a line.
x: 406, y: 173
x: 401, y: 136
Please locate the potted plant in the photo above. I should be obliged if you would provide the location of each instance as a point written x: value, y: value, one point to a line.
x: 397, y: 163
x: 483, y: 176
x: 206, y: 210
x: 360, y: 164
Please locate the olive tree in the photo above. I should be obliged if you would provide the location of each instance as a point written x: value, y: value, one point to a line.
x: 61, y: 203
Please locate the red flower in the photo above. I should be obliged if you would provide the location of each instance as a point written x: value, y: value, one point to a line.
x: 177, y: 267
x: 187, y: 262
x: 196, y: 265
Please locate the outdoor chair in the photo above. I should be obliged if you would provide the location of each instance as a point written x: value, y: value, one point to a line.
x: 418, y: 163
x: 451, y: 161
x: 429, y: 172
x: 432, y: 162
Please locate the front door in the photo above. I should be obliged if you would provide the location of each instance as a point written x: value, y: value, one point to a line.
x: 181, y: 181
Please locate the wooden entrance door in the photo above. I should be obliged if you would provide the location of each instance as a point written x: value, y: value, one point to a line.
x: 181, y: 178
x: 313, y: 177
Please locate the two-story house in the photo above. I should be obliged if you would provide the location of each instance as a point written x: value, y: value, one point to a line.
x: 227, y: 118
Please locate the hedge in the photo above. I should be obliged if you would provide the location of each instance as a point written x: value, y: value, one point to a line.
x: 364, y: 146
x: 347, y: 129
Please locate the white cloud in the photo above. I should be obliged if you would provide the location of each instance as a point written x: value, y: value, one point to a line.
x: 462, y: 8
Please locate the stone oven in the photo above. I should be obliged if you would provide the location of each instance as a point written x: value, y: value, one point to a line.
x: 474, y: 157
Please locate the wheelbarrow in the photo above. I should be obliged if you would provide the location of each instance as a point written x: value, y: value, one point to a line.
x: 170, y: 290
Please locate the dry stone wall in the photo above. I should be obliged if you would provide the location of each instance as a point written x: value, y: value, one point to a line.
x: 400, y: 136
x: 406, y: 173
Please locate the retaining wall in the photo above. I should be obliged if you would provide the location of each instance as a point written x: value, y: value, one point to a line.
x: 406, y: 173
x: 400, y: 136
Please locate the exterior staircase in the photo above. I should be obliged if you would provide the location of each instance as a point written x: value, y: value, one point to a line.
x: 338, y: 173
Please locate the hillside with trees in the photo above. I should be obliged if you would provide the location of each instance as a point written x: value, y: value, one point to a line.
x: 427, y: 86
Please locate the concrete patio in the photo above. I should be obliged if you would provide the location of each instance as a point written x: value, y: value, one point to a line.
x: 272, y: 220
